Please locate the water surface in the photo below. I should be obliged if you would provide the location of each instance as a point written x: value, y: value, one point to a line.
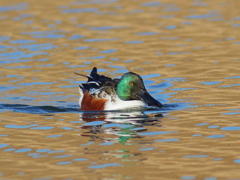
x: 188, y: 56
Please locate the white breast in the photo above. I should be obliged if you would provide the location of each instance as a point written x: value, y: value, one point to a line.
x: 120, y: 104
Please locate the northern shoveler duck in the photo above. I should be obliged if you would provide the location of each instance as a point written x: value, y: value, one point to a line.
x: 103, y: 93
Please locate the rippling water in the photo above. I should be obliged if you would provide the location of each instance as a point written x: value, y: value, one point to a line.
x: 188, y: 56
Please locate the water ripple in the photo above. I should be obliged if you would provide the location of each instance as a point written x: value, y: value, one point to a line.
x: 38, y: 109
x: 14, y: 7
x: 80, y: 10
x: 231, y: 128
x: 104, y: 165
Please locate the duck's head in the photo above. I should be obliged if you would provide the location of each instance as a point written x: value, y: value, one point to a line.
x: 131, y: 87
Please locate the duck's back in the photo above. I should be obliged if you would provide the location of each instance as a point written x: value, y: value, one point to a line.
x: 96, y: 91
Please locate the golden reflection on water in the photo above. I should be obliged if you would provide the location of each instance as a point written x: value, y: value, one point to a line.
x: 197, y: 49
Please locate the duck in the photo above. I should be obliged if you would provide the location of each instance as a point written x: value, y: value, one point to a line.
x: 102, y: 93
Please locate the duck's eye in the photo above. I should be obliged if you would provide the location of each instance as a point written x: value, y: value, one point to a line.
x: 131, y: 84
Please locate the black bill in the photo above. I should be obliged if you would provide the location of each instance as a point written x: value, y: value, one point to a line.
x: 148, y: 99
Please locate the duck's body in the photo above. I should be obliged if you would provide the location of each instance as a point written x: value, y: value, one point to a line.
x: 103, y: 93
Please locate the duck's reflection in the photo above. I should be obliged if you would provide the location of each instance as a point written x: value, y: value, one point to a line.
x: 124, y: 125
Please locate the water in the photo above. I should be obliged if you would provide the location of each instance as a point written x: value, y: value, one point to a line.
x: 186, y: 52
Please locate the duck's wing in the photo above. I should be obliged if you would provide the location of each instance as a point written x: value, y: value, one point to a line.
x: 96, y: 81
x: 101, y: 79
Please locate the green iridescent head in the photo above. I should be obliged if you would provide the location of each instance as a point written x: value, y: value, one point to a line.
x: 128, y: 85
x: 131, y: 87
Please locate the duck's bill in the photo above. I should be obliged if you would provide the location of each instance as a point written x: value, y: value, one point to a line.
x: 148, y: 99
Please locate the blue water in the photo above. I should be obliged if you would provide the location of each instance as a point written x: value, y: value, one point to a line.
x: 188, y: 61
